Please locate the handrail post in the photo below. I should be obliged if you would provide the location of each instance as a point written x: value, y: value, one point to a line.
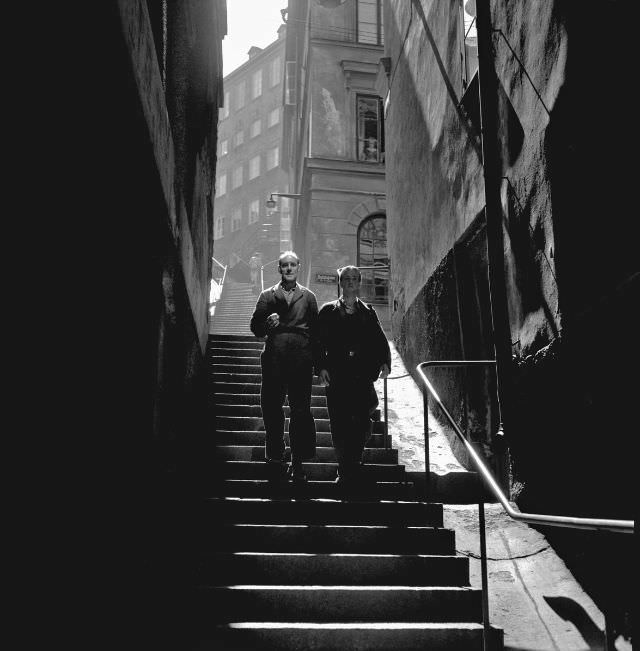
x: 427, y: 462
x: 386, y: 417
x: 486, y: 626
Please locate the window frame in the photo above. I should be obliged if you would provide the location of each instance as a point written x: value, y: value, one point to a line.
x: 380, y: 128
x: 379, y: 38
x: 221, y: 185
x: 368, y: 219
x: 256, y: 75
x: 251, y: 128
x: 251, y: 161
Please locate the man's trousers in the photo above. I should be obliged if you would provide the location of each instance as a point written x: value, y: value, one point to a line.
x: 287, y: 370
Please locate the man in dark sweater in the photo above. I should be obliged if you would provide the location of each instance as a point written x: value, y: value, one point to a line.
x: 286, y: 314
x: 353, y: 353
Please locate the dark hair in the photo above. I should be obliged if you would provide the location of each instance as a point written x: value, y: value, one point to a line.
x: 347, y: 268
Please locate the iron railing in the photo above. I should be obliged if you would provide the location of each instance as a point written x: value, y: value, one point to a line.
x: 598, y: 524
x: 221, y: 275
x: 262, y: 271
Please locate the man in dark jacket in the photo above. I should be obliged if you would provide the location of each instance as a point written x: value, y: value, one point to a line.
x: 353, y: 353
x: 286, y: 314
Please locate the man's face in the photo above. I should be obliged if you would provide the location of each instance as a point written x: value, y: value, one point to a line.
x: 289, y: 267
x: 350, y: 280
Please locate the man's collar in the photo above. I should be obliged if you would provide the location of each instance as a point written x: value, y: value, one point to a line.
x: 284, y: 289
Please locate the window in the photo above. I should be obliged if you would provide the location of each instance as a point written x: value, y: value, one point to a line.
x: 255, y: 128
x: 290, y: 83
x: 254, y: 167
x: 276, y: 71
x: 218, y: 227
x: 273, y: 158
x: 254, y: 211
x: 236, y: 219
x: 370, y: 137
x: 274, y: 117
x: 370, y: 22
x: 256, y: 84
x: 239, y: 138
x: 221, y: 187
x: 372, y: 252
x: 237, y: 177
x: 224, y: 147
x: 241, y: 91
x: 224, y: 110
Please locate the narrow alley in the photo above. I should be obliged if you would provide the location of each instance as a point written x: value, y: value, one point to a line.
x: 353, y: 297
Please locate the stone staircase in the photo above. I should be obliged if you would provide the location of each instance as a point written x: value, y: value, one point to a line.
x: 234, y: 309
x: 313, y: 569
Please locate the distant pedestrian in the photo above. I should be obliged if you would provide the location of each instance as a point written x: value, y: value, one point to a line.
x: 353, y: 353
x: 287, y: 315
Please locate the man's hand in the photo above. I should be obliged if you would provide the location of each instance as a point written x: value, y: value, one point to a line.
x: 273, y: 320
x: 324, y: 377
x: 384, y: 371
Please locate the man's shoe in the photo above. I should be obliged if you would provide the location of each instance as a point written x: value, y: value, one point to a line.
x: 297, y: 475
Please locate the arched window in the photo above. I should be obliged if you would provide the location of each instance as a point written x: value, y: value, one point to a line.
x: 372, y: 252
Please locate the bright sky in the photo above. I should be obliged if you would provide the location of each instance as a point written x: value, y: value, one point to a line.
x: 249, y: 22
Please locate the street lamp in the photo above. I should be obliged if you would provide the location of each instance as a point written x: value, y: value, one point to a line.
x: 271, y: 202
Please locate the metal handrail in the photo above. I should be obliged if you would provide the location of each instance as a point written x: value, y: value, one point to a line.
x: 262, y: 271
x: 619, y: 526
x: 221, y: 284
x: 224, y: 273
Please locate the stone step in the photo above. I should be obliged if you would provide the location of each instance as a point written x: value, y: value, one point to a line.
x: 229, y: 347
x: 250, y: 368
x: 314, y: 471
x: 316, y: 511
x: 253, y: 410
x: 242, y: 374
x: 260, y: 488
x: 255, y: 423
x: 224, y: 386
x: 233, y: 338
x: 256, y: 437
x: 326, y: 539
x: 323, y: 454
x: 339, y: 603
x: 251, y: 357
x: 236, y: 378
x: 360, y: 636
x: 224, y: 568
x: 239, y: 399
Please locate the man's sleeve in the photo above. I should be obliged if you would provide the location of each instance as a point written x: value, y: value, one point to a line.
x: 321, y: 336
x: 258, y: 324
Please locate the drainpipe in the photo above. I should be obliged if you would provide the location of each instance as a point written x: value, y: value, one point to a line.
x: 488, y: 85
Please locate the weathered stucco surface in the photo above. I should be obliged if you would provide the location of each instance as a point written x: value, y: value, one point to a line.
x: 569, y: 267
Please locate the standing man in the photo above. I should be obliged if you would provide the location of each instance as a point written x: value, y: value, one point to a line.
x: 286, y: 314
x: 354, y: 352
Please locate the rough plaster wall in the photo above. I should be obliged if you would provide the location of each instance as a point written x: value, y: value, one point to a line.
x: 330, y: 121
x: 528, y: 90
x: 433, y: 166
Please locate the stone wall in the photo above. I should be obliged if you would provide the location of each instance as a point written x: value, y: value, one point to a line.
x: 563, y: 264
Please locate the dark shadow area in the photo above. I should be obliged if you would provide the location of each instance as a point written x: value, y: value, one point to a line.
x: 573, y: 612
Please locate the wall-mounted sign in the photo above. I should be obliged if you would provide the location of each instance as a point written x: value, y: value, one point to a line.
x: 326, y: 278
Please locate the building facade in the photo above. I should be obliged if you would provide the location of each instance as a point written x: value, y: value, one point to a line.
x: 334, y: 143
x: 249, y: 165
